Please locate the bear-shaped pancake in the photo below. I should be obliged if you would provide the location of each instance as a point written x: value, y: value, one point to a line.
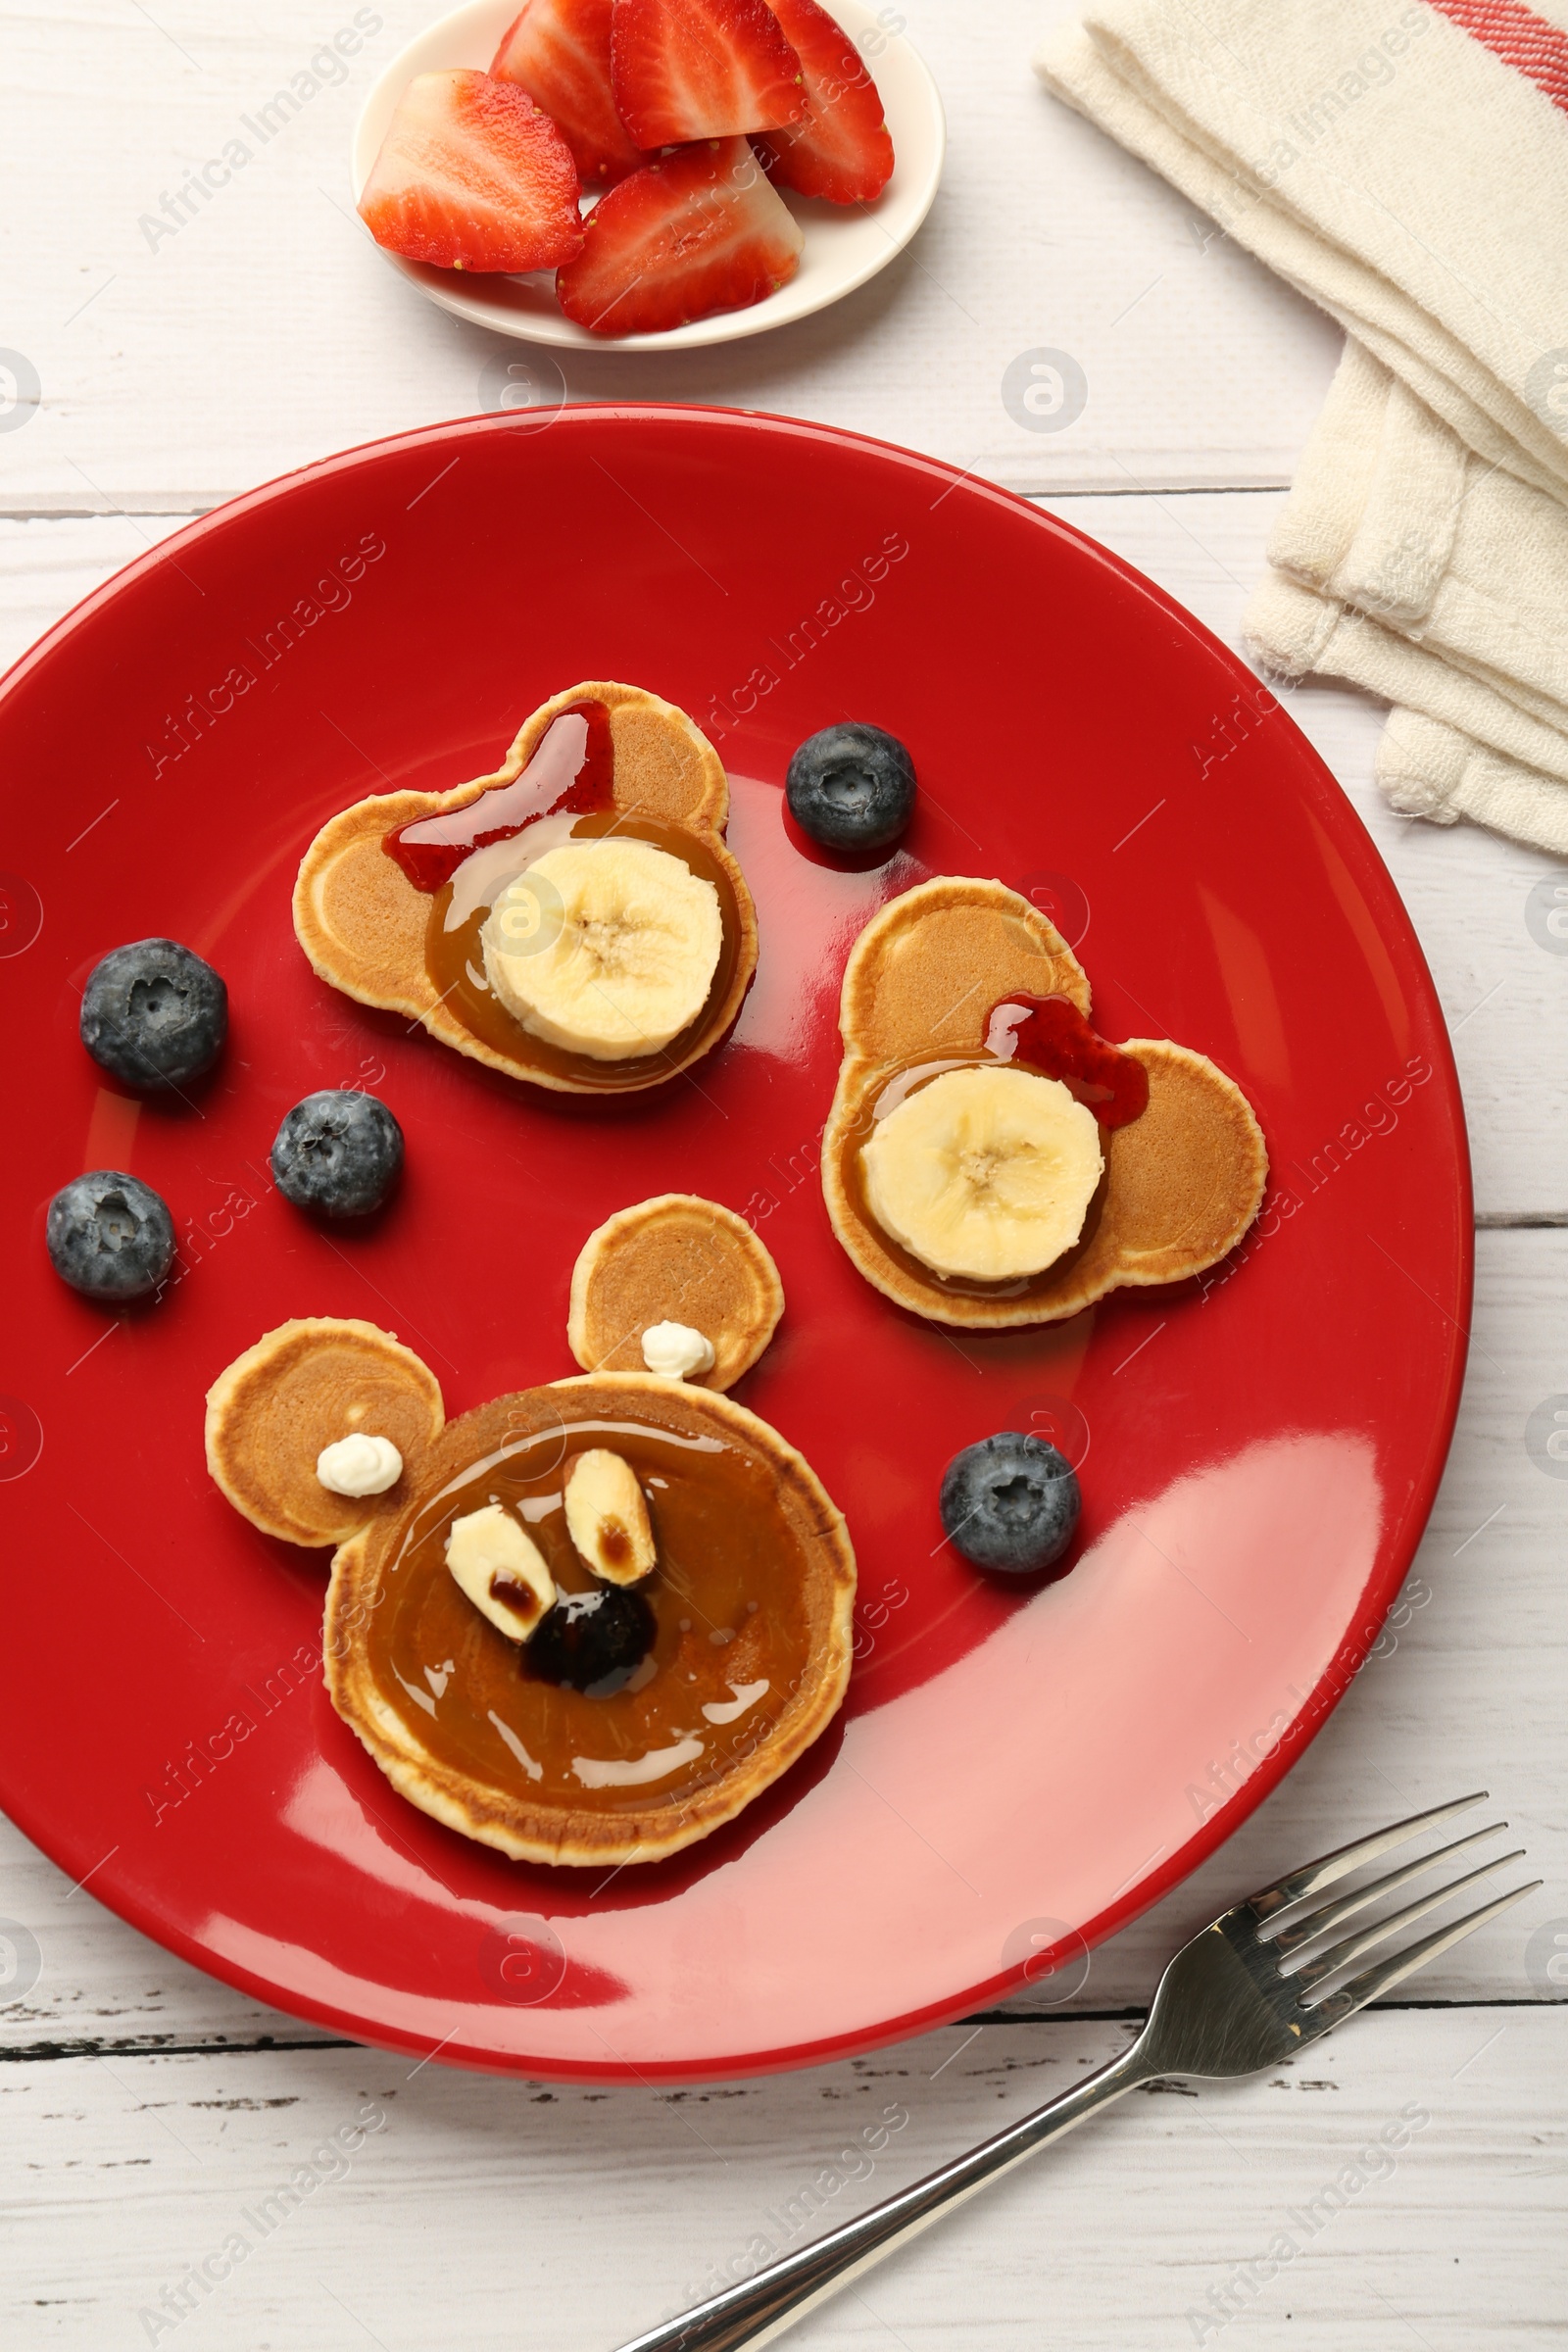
x: 747, y: 1649
x: 1181, y: 1181
x: 646, y: 775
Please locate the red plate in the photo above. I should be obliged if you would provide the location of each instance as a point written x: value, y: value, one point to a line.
x: 1259, y: 1449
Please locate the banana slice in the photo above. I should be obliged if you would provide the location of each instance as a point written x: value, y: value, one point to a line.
x: 986, y: 1173
x: 607, y: 1517
x: 496, y: 1563
x: 630, y: 962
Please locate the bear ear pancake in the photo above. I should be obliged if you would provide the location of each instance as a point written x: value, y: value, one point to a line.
x: 298, y: 1389
x: 926, y: 971
x: 1188, y: 1176
x: 664, y: 765
x: 357, y: 916
x: 681, y: 1260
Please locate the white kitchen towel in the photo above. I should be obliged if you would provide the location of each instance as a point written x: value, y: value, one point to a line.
x: 1409, y: 172
x: 1429, y: 770
x: 1296, y: 634
x: 1408, y: 565
x: 1393, y: 513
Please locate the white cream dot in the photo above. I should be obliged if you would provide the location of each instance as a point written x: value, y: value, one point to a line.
x: 359, y: 1464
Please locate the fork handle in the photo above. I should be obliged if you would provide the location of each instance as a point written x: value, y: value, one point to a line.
x: 759, y: 2309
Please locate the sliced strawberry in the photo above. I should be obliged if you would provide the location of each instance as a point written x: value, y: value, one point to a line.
x: 702, y: 68
x: 697, y: 231
x: 471, y: 175
x: 842, y: 150
x: 559, y: 52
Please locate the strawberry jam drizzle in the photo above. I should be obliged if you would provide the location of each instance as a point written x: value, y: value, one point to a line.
x: 1052, y: 1036
x: 571, y: 773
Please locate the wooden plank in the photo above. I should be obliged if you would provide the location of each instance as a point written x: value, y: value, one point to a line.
x: 1413, y: 2161
x: 264, y: 331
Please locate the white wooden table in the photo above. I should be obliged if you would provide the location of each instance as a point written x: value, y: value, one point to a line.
x: 144, y: 2106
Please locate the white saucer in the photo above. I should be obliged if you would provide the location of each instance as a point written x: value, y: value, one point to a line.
x: 845, y: 244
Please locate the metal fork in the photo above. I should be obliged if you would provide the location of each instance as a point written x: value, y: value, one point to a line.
x: 1249, y: 1991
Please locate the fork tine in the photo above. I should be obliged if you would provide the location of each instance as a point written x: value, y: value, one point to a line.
x: 1344, y: 1858
x: 1339, y: 1956
x: 1389, y: 1973
x: 1329, y: 1915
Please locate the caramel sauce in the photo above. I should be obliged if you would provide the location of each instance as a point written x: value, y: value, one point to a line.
x: 454, y: 953
x: 615, y: 1543
x: 728, y: 1601
x: 572, y: 771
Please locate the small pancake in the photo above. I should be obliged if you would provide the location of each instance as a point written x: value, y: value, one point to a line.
x: 1183, y: 1180
x: 676, y: 1259
x: 300, y: 1389
x: 363, y: 924
x: 514, y: 1807
x: 926, y: 971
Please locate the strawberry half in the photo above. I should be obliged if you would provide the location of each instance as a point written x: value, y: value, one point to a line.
x: 701, y: 230
x: 842, y: 150
x: 473, y: 177
x: 701, y: 70
x: 559, y: 52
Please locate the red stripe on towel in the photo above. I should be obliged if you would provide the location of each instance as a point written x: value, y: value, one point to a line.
x: 1520, y: 38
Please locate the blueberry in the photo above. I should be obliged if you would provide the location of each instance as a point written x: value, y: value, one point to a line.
x: 592, y: 1641
x: 154, y: 1015
x: 338, y: 1153
x: 851, y: 787
x: 1010, y: 1502
x: 109, y: 1236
